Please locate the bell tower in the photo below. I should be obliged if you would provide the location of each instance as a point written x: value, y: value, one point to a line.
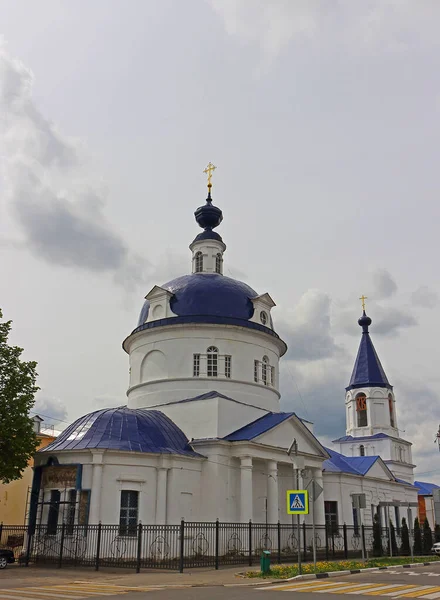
x: 370, y: 409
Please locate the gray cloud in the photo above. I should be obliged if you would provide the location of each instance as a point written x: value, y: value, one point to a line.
x: 386, y: 24
x: 307, y: 329
x: 52, y: 410
x: 59, y: 207
x: 384, y: 285
x: 391, y: 321
x: 315, y: 391
x: 425, y: 297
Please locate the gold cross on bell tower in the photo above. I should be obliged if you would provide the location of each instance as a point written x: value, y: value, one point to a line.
x: 209, y: 169
x: 363, y: 298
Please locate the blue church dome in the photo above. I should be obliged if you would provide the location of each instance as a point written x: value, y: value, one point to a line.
x: 133, y: 430
x: 212, y: 295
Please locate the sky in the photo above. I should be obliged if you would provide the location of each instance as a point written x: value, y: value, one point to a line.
x: 323, y: 121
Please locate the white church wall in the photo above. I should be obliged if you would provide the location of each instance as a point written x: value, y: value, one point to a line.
x: 212, y: 417
x: 179, y: 343
x: 282, y: 436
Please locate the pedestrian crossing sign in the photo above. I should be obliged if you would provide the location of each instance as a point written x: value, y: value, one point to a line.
x: 297, y: 502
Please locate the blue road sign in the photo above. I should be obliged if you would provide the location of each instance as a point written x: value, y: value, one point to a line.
x: 297, y: 502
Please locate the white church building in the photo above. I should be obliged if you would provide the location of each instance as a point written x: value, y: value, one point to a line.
x: 202, y: 436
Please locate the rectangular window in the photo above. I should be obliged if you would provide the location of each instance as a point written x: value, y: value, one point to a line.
x: 196, y: 365
x: 228, y: 366
x: 54, y: 510
x: 331, y: 516
x: 212, y: 364
x: 70, y: 521
x: 256, y: 369
x: 128, y: 516
x: 355, y: 521
x: 397, y: 518
x: 83, y: 508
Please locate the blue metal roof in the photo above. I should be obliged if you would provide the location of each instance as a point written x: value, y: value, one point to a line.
x: 207, y: 294
x: 208, y: 234
x: 424, y: 488
x: 124, y: 429
x: 350, y: 438
x: 256, y: 428
x: 367, y: 370
x: 356, y: 465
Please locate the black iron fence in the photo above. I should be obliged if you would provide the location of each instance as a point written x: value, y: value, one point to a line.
x: 192, y: 544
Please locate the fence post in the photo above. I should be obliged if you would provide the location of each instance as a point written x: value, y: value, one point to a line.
x: 98, y: 546
x: 326, y: 543
x: 139, y: 548
x: 363, y: 540
x: 63, y: 531
x: 182, y: 545
x: 28, y: 547
x: 217, y: 537
x: 1, y: 531
x: 305, y: 541
x: 250, y: 542
x: 344, y: 529
x: 279, y: 543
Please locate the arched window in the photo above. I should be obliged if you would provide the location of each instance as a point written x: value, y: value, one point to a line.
x: 391, y: 409
x: 212, y: 361
x: 361, y: 450
x: 265, y: 370
x: 218, y: 263
x: 361, y: 410
x: 198, y: 262
x: 263, y: 317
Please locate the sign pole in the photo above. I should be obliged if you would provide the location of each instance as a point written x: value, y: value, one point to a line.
x: 313, y: 521
x: 298, y: 528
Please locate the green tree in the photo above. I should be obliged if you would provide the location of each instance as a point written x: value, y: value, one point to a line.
x: 417, y: 537
x: 393, y: 538
x: 427, y: 537
x: 437, y: 532
x: 377, y: 537
x: 18, y: 441
x: 405, y: 547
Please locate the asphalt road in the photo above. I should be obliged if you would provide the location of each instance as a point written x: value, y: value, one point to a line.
x: 417, y: 582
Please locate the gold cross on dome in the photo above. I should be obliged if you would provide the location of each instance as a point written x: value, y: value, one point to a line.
x: 209, y: 169
x: 363, y: 298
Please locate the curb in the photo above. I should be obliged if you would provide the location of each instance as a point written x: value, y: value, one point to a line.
x: 355, y: 571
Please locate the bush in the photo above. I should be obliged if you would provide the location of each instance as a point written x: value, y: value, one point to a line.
x: 393, y: 539
x: 437, y: 532
x: 377, y: 537
x: 427, y: 537
x: 405, y: 547
x: 418, y: 548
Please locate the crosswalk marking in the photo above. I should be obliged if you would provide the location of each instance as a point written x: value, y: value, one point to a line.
x: 392, y: 590
x: 393, y: 587
x: 415, y: 593
x: 75, y: 591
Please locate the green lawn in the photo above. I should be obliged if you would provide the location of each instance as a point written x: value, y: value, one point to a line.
x: 286, y: 571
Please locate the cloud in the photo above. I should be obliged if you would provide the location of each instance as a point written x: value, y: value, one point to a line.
x: 391, y: 25
x: 109, y: 401
x: 52, y: 410
x: 425, y: 297
x: 57, y: 204
x: 384, y: 285
x: 386, y: 321
x: 316, y: 391
x: 306, y: 329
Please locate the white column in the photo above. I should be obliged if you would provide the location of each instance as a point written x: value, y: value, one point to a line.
x: 95, y: 498
x: 161, y: 496
x: 272, y: 492
x: 246, y: 505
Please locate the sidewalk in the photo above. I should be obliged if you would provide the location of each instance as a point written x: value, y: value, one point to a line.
x: 197, y: 577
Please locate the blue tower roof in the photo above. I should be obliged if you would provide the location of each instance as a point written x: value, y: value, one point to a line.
x: 126, y: 429
x: 367, y: 370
